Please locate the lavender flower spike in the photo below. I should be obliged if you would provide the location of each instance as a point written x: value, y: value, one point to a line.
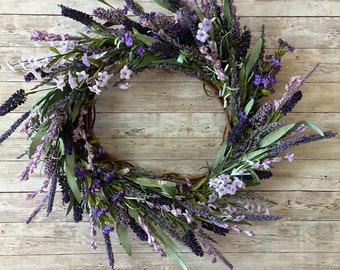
x: 13, y: 127
x: 108, y: 248
x: 76, y: 15
x: 18, y: 98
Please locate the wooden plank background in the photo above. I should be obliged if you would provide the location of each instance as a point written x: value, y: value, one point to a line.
x: 164, y: 122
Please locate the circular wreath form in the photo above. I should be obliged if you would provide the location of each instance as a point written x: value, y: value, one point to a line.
x: 203, y: 41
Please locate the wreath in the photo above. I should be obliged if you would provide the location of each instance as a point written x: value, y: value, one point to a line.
x: 204, y: 41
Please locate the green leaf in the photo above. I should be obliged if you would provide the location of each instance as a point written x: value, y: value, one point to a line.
x: 163, y: 237
x: 147, y: 40
x: 227, y: 15
x: 169, y: 189
x: 71, y: 179
x: 124, y: 238
x: 253, y: 154
x: 164, y: 5
x: 146, y: 60
x: 249, y: 106
x: 312, y: 126
x: 254, y: 57
x: 201, y: 197
x: 276, y: 134
x: 219, y: 156
x: 53, y: 49
x: 36, y: 141
x: 105, y: 3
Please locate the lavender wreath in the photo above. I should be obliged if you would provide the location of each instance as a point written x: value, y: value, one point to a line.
x: 204, y: 41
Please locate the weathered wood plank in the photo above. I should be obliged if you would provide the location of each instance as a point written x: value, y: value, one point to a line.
x: 303, y: 175
x: 317, y: 98
x: 297, y: 29
x: 63, y: 238
x: 97, y: 261
x: 291, y: 205
x: 179, y: 149
x: 258, y: 8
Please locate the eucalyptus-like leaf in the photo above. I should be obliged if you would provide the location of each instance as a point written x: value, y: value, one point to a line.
x: 124, y: 238
x: 71, y: 179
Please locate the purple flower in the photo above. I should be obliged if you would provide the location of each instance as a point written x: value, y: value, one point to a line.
x: 283, y: 44
x: 127, y: 39
x: 202, y: 35
x: 257, y: 80
x: 206, y: 25
x: 107, y: 229
x: 85, y: 60
x: 115, y: 198
x: 140, y: 50
x: 79, y: 172
x: 265, y: 82
x: 110, y: 176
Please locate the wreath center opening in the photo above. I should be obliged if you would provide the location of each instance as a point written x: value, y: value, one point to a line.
x: 164, y: 123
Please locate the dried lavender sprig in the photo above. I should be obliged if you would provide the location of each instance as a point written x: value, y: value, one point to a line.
x: 304, y: 78
x: 134, y: 8
x: 290, y: 103
x: 305, y: 138
x: 18, y: 98
x: 13, y: 127
x: 77, y: 212
x: 190, y: 240
x: 115, y: 16
x: 248, y: 216
x: 243, y: 45
x: 202, y: 213
x: 211, y: 250
x: 51, y: 192
x: 65, y: 189
x: 108, y: 249
x: 76, y: 15
x: 261, y: 115
x: 138, y: 230
x: 36, y: 210
x: 215, y: 229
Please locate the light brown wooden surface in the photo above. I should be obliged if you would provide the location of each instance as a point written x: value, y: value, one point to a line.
x: 165, y: 122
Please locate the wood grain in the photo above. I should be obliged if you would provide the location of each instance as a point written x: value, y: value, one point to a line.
x: 164, y: 122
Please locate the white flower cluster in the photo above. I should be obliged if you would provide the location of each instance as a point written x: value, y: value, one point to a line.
x: 225, y: 184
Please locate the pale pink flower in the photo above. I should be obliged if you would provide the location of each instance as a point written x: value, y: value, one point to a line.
x: 249, y: 233
x: 81, y: 76
x: 95, y: 89
x: 277, y: 159
x: 212, y: 198
x: 85, y: 60
x: 290, y: 156
x: 93, y: 245
x: 256, y: 166
x: 125, y: 73
x: 60, y: 82
x: 124, y: 86
x: 202, y: 35
x: 236, y: 229
x: 188, y: 216
x: 206, y: 25
x: 176, y: 212
x: 71, y: 80
x: 266, y: 164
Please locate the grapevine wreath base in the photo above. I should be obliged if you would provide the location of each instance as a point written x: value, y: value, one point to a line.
x: 202, y: 40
